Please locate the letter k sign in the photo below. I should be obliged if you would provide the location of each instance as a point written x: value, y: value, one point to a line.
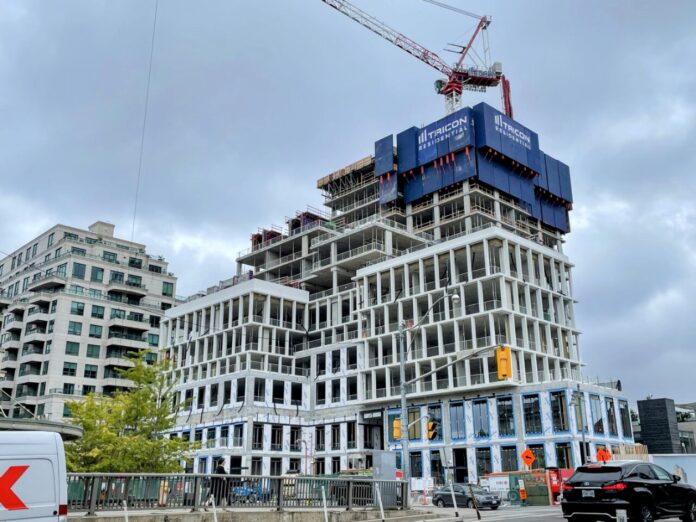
x: 7, y: 496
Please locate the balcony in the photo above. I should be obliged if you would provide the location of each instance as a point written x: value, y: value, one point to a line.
x: 127, y: 287
x: 129, y: 321
x: 136, y: 342
x: 50, y: 281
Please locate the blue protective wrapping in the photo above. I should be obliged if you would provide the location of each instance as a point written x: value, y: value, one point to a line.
x: 384, y: 155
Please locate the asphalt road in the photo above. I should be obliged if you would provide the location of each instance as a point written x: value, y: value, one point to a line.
x: 541, y: 514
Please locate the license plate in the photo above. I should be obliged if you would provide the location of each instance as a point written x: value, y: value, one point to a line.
x: 494, y: 502
x: 588, y: 493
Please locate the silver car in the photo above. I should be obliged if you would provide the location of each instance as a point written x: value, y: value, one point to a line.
x: 442, y: 497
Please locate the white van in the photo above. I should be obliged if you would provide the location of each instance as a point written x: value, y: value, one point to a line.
x: 33, y: 479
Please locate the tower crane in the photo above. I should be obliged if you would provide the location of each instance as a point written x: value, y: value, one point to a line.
x: 458, y: 77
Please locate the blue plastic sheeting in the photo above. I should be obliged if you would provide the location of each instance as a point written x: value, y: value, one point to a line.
x: 435, y: 176
x: 501, y: 177
x: 495, y: 130
x: 407, y: 149
x: 564, y: 178
x: 384, y: 155
x: 388, y: 189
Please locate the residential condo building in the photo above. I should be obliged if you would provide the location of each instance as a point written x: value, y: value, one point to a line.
x: 75, y: 306
x: 456, y: 235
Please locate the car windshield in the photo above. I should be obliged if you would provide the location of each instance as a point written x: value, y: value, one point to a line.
x: 598, y: 474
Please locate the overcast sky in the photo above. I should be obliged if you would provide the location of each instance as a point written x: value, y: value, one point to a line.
x: 251, y: 102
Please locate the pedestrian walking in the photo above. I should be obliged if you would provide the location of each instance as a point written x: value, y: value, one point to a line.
x: 218, y: 485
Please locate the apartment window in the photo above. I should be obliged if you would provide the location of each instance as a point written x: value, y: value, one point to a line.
x: 77, y: 308
x: 580, y: 414
x: 319, y: 467
x: 153, y: 339
x: 28, y: 256
x: 34, y: 249
x: 506, y: 417
x: 66, y: 410
x: 70, y: 369
x: 47, y: 258
x: 167, y: 289
x: 72, y: 348
x: 70, y: 235
x: 596, y: 412
x: 294, y: 465
x: 68, y: 388
x: 51, y: 237
x: 508, y: 458
x: 457, y: 423
x: 539, y: 456
x: 44, y: 368
x: 74, y: 328
x: 351, y: 428
x: 435, y: 417
x: 79, y: 270
x: 88, y: 388
x: 625, y: 419
x: 93, y: 351
x: 95, y: 331
x: 214, y: 392
x: 416, y: 464
x: 97, y: 312
x: 78, y: 251
x: 117, y: 313
x: 483, y: 461
x: 320, y: 438
x: 62, y: 270
x: 155, y: 268
x: 115, y: 277
x: 109, y: 256
x: 241, y: 390
x: 256, y: 466
x: 611, y: 416
x: 97, y: 275
x: 532, y: 414
x: 481, y: 421
x: 335, y: 436
x: 276, y: 437
x: 564, y: 458
x: 259, y: 389
x: 91, y: 371
x: 58, y: 252
x: 390, y: 428
x: 19, y: 259
x: 25, y: 284
x: 54, y: 306
x: 238, y: 435
x: 559, y: 411
x: 414, y: 430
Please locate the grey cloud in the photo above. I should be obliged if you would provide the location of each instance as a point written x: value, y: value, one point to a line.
x: 251, y: 102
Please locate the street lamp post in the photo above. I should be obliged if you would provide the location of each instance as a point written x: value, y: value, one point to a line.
x: 406, y: 457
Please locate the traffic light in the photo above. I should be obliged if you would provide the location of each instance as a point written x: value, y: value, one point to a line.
x: 504, y: 359
x: 433, y: 429
x: 396, y: 429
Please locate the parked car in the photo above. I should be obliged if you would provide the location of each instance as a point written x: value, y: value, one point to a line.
x: 442, y: 497
x: 251, y: 491
x: 646, y: 491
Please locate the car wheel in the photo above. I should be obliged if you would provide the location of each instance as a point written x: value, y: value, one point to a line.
x: 470, y: 504
x: 645, y: 514
x: 690, y: 515
x: 440, y: 503
x: 252, y: 499
x: 494, y: 508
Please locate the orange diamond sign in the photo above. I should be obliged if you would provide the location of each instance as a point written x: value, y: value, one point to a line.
x: 528, y: 457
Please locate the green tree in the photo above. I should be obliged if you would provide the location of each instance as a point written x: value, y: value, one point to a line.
x: 123, y: 432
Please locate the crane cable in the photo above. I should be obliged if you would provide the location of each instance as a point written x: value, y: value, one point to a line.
x: 144, y: 126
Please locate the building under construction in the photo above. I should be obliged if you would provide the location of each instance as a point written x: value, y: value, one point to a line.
x: 453, y: 232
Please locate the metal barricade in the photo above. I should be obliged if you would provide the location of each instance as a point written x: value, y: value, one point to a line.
x: 95, y: 492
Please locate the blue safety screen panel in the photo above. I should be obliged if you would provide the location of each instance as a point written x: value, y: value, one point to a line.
x: 506, y: 136
x: 388, y: 188
x: 406, y: 149
x: 438, y: 174
x: 384, y: 155
x: 555, y: 178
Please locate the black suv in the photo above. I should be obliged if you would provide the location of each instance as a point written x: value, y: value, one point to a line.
x: 647, y: 492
